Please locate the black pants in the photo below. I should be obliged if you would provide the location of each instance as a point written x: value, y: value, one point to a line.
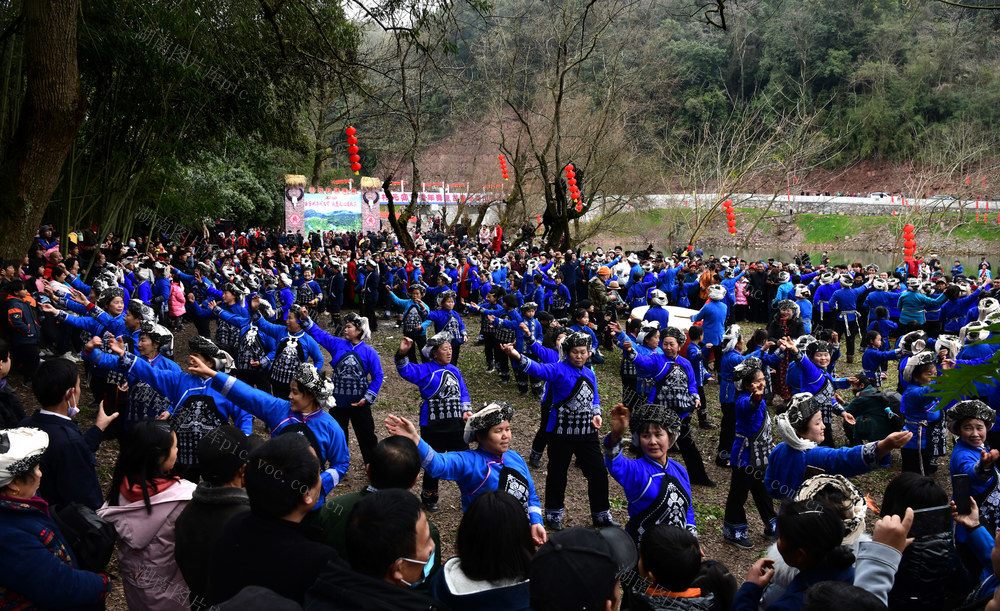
x: 368, y: 310
x: 363, y: 422
x: 740, y: 312
x: 828, y: 435
x: 503, y: 363
x: 280, y: 390
x: 257, y: 379
x: 203, y: 325
x: 912, y: 459
x: 848, y: 329
x: 933, y: 328
x: 541, y: 435
x: 491, y: 349
x: 689, y: 452
x: 703, y: 410
x: 743, y: 481
x: 589, y: 458
x: 727, y: 431
x: 456, y: 348
x: 25, y: 359
x: 441, y: 442
x: 416, y: 354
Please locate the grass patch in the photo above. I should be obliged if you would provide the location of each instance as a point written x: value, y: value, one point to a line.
x: 825, y: 228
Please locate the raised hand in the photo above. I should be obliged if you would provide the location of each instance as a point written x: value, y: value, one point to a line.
x: 94, y: 343
x: 397, y: 425
x: 48, y: 308
x: 197, y: 366
x: 117, y: 346
x: 103, y: 418
x: 405, y: 344
x: 619, y: 421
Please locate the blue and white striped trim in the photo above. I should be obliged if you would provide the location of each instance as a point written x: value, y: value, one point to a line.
x: 335, y: 475
x: 230, y: 382
x: 426, y: 461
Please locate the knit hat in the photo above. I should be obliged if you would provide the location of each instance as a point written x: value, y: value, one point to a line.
x: 487, y: 418
x: 673, y: 332
x: 218, y: 359
x: 316, y: 383
x: 893, y: 283
x: 204, y: 268
x: 446, y: 295
x: 818, y: 346
x: 434, y: 341
x: 784, y: 277
x: 603, y: 271
x: 912, y: 284
x: 660, y: 415
x: 20, y: 450
x: 951, y: 343
x: 528, y: 305
x: 575, y: 340
x: 140, y: 310
x: 746, y: 368
x: 232, y: 288
x: 913, y: 342
x: 855, y: 507
x: 633, y: 259
x: 788, y: 304
x: 927, y: 288
x: 975, y: 331
x: 360, y: 322
x: 801, y: 409
x: 648, y: 328
x: 803, y: 342
x: 987, y: 307
x: 109, y: 292
x: 972, y: 409
x: 716, y: 292
x: 657, y: 298
x: 158, y: 334
x: 731, y: 338
x: 922, y: 358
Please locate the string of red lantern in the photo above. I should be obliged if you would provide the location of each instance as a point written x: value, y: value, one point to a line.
x: 353, y: 150
x: 503, y: 165
x: 574, y: 191
x: 909, y: 242
x: 730, y: 217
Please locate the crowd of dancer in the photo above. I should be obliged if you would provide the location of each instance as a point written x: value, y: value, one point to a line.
x: 204, y: 513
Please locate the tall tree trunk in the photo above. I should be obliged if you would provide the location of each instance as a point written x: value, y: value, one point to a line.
x: 405, y: 240
x: 53, y: 110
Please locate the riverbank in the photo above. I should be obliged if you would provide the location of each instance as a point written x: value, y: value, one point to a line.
x: 945, y: 235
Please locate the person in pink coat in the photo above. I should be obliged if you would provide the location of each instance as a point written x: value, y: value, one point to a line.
x: 143, y: 505
x: 176, y: 305
x: 740, y: 298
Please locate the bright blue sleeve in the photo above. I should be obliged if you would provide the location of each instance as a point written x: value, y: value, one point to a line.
x: 374, y: 366
x: 338, y: 456
x: 46, y: 580
x: 211, y: 291
x: 624, y: 470
x: 80, y: 286
x: 332, y: 344
x: 242, y: 419
x: 313, y: 351
x: 545, y: 372
x: 84, y: 323
x: 444, y: 465
x: 169, y: 383
x: 278, y: 332
x: 271, y: 410
x: 230, y: 317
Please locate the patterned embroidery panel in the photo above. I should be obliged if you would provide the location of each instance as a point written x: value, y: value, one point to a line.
x: 412, y: 319
x: 575, y: 413
x: 250, y: 349
x: 286, y: 361
x: 227, y: 334
x: 672, y: 390
x: 558, y: 302
x: 515, y: 484
x: 451, y: 326
x: 446, y: 402
x: 304, y: 294
x: 144, y: 402
x: 349, y: 376
x: 194, y: 419
x: 670, y: 507
x: 825, y: 398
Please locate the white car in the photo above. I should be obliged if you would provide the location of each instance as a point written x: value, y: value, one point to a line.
x: 878, y: 195
x: 680, y: 318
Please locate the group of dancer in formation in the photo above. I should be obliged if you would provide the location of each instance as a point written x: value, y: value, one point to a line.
x: 547, y: 320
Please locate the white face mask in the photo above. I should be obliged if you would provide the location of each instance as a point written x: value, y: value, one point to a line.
x: 73, y: 409
x: 131, y: 243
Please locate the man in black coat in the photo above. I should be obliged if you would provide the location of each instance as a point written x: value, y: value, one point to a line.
x: 391, y: 549
x: 222, y: 456
x: 270, y: 545
x: 69, y: 463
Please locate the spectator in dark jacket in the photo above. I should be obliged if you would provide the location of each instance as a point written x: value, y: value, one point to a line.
x: 391, y: 550
x: 222, y: 456
x: 70, y: 464
x: 37, y: 567
x: 270, y: 546
x: 11, y: 408
x: 24, y: 329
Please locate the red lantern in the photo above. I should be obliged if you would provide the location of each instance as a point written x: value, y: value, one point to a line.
x: 731, y: 223
x: 538, y: 218
x: 571, y: 182
x: 350, y: 131
x: 908, y: 228
x: 909, y: 244
x: 352, y: 140
x: 730, y: 216
x: 356, y: 167
x: 570, y: 174
x: 500, y: 157
x: 579, y: 207
x: 355, y: 158
x: 352, y: 150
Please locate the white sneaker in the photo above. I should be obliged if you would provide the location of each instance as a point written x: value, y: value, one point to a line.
x: 69, y: 356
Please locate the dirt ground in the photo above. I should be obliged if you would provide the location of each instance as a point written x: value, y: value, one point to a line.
x: 400, y: 397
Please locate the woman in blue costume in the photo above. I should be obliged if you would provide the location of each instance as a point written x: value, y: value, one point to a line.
x: 445, y: 401
x: 749, y: 456
x: 311, y: 392
x: 809, y: 375
x: 491, y: 466
x: 657, y: 488
x: 357, y: 377
x: 969, y: 421
x: 802, y: 429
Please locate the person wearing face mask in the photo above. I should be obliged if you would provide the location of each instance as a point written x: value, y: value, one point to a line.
x: 391, y: 551
x: 70, y: 461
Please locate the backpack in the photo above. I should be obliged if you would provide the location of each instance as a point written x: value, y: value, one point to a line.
x: 91, y: 538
